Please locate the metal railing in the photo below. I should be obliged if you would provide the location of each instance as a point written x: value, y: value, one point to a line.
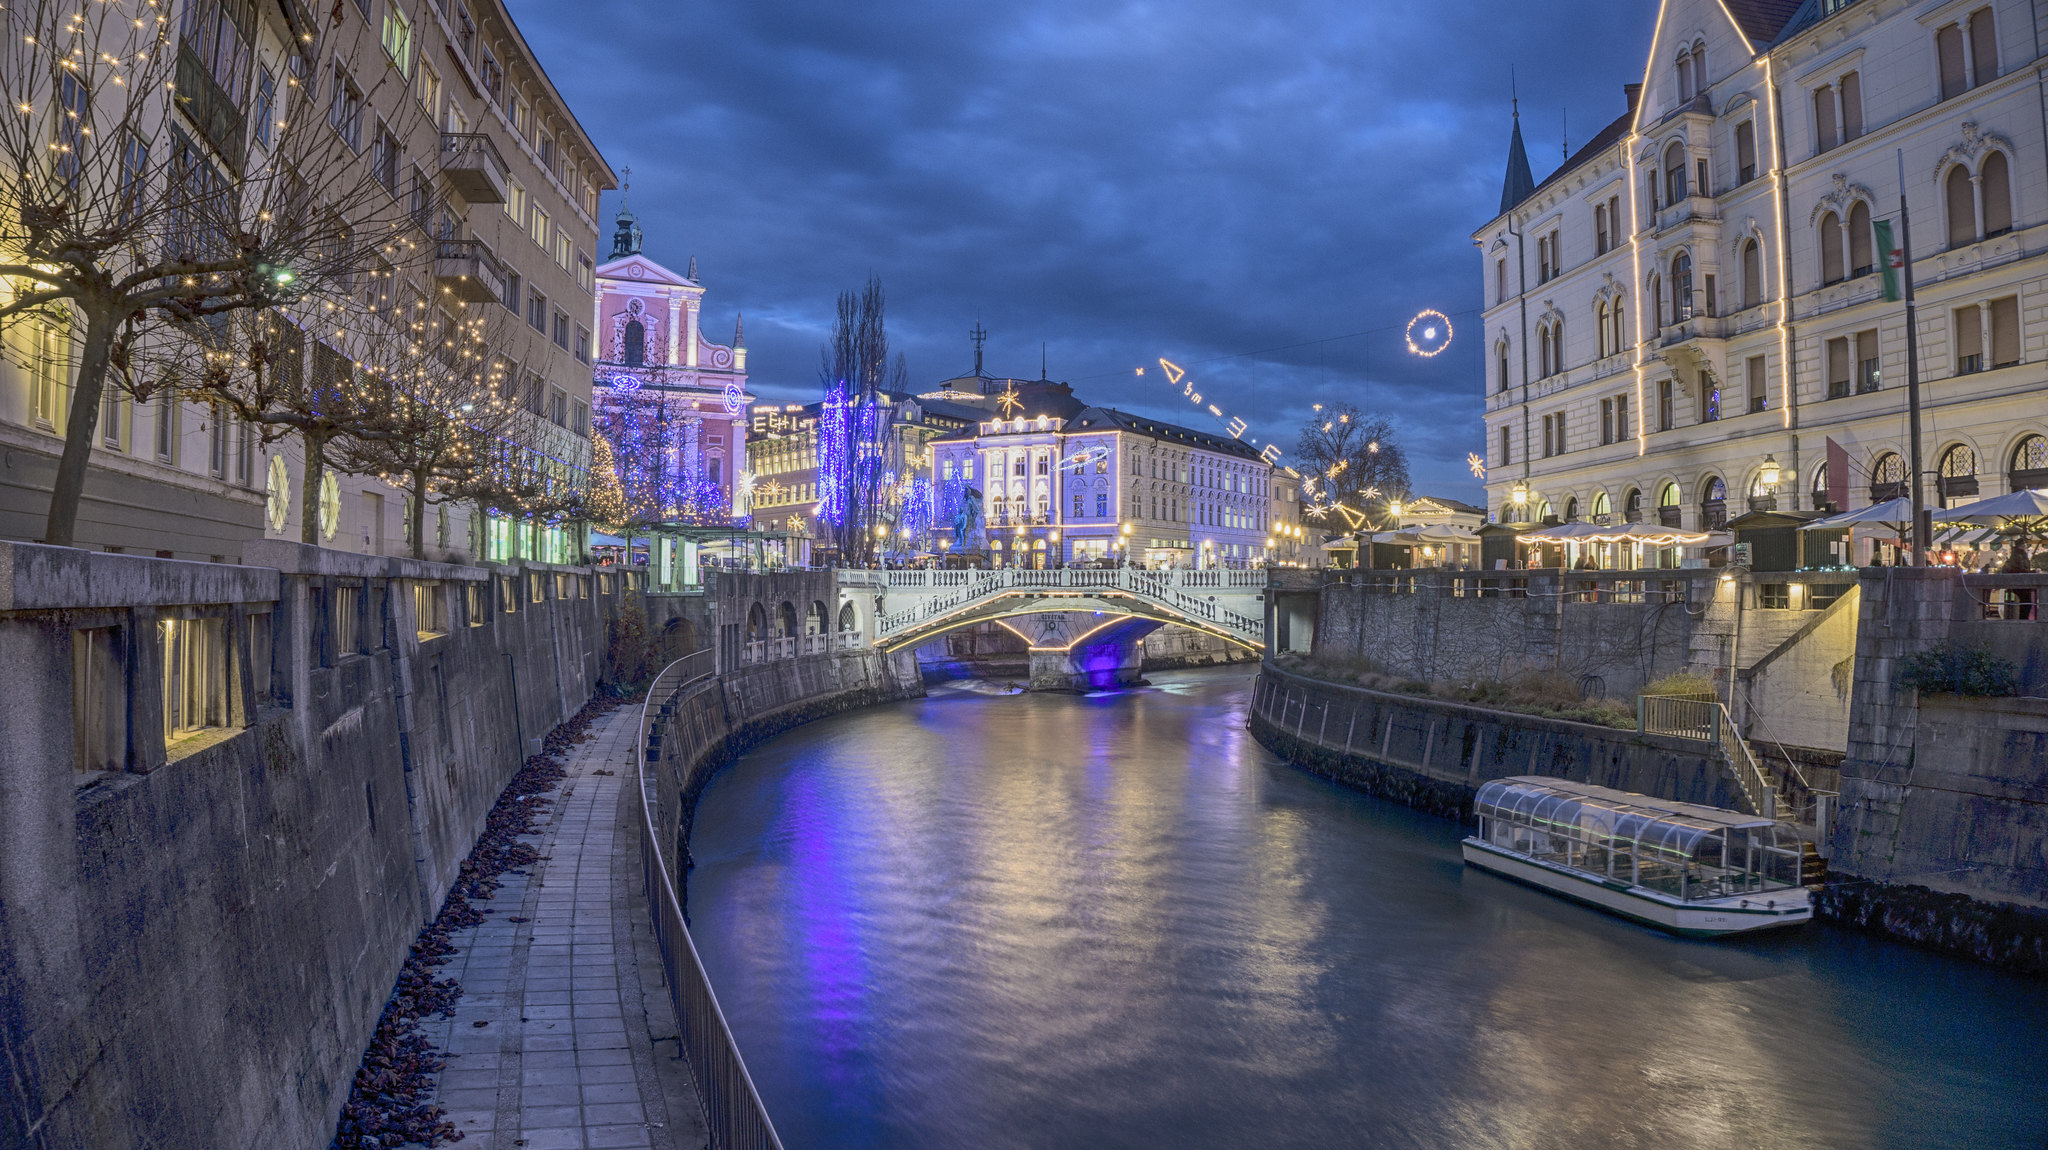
x: 732, y: 1107
x: 1707, y: 720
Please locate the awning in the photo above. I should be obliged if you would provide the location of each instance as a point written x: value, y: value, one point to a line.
x: 2025, y: 509
x: 1891, y: 513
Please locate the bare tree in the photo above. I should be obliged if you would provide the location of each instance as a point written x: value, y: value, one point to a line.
x: 123, y: 221
x: 1352, y: 458
x: 854, y: 426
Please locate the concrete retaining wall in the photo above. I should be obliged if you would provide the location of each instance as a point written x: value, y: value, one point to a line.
x: 195, y: 946
x: 1433, y: 755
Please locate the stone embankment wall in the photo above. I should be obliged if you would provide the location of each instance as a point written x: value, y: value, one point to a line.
x: 1613, y: 636
x: 1434, y: 755
x: 197, y: 933
x: 1942, y: 833
x: 717, y: 719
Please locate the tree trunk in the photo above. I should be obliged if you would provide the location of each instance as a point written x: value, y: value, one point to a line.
x: 61, y: 527
x: 419, y: 514
x: 309, y: 498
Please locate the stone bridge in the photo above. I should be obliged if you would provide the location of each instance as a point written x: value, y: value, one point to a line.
x: 1084, y: 626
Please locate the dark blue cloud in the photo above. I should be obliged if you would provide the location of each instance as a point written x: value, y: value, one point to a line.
x: 1120, y: 180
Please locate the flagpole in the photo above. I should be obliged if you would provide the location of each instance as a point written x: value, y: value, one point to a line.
x: 1920, y: 524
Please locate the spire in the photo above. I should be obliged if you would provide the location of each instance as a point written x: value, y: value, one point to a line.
x: 692, y: 277
x: 1518, y: 185
x: 739, y: 330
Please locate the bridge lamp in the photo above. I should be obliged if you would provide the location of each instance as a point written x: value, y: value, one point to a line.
x: 1053, y: 536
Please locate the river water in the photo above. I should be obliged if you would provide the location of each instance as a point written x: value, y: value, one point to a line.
x: 982, y: 921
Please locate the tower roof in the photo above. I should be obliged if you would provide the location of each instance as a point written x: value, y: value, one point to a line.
x: 1519, y: 183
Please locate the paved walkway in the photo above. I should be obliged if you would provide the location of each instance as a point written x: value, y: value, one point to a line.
x: 556, y: 1041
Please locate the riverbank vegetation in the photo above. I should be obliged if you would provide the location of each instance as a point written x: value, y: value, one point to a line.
x: 1545, y: 694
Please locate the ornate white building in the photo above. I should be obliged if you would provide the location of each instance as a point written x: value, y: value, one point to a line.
x: 1692, y: 301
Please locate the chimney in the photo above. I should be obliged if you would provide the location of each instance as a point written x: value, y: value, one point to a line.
x: 1634, y: 92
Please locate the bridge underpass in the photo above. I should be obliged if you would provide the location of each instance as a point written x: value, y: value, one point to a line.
x: 1084, y: 628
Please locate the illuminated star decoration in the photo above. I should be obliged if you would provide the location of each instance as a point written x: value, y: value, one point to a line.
x: 1008, y: 400
x: 1429, y: 333
x: 1178, y: 376
x: 1477, y: 464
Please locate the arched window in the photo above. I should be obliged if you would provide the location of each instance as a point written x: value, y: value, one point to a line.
x: 1571, y: 510
x: 1667, y: 505
x: 1503, y: 366
x: 1699, y: 65
x: 1543, y: 352
x: 1656, y: 305
x: 1713, y: 504
x: 1684, y: 77
x: 2029, y: 469
x: 1956, y: 478
x: 1602, y: 508
x: 1600, y: 332
x: 1557, y: 345
x: 1887, y: 477
x: 1632, y: 506
x: 1994, y: 181
x: 1620, y: 339
x: 1828, y: 237
x: 1819, y: 490
x: 1962, y: 208
x: 636, y: 343
x: 1674, y: 173
x: 849, y: 619
x: 1752, y: 274
x: 1862, y: 260
x: 1681, y: 287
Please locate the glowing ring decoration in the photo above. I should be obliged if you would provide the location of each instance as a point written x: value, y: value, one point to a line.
x: 1432, y: 345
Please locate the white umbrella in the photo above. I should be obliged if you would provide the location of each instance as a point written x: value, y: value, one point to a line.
x: 1892, y: 513
x: 2001, y: 510
x: 1445, y: 533
x: 1564, y: 533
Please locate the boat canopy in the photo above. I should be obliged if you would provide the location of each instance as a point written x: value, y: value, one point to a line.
x: 1686, y: 849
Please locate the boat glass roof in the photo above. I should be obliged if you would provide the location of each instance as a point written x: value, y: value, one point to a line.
x: 1608, y: 812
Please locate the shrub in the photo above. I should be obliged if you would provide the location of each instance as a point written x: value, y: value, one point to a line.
x: 1959, y: 670
x: 1683, y: 683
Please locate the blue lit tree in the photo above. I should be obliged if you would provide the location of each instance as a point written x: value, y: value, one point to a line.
x: 854, y: 427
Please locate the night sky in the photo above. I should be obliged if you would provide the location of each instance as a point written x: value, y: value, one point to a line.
x: 1262, y: 193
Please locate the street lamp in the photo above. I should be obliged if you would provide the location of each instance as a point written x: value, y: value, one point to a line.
x: 1518, y: 495
x: 1770, y: 474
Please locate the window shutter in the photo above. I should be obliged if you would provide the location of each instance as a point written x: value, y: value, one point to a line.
x: 2005, y: 331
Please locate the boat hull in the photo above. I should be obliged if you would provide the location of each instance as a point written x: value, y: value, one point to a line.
x: 1774, y: 910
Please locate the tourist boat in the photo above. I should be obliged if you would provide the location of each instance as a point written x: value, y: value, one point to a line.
x: 1693, y: 870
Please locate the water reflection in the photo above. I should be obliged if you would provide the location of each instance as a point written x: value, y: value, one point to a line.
x: 1054, y: 921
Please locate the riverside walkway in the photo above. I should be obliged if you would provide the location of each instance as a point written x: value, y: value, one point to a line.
x: 563, y: 1037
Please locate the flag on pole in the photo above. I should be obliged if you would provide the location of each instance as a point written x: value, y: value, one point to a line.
x: 1894, y: 258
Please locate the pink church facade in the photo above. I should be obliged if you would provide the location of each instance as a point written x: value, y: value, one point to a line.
x: 651, y: 356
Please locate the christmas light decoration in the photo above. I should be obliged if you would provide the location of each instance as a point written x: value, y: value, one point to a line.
x: 1435, y: 335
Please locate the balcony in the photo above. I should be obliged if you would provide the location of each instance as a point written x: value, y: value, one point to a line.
x: 1691, y: 209
x: 467, y: 269
x: 473, y: 167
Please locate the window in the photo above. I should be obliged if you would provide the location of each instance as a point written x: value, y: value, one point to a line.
x: 565, y: 249
x: 1828, y: 236
x: 398, y: 38
x: 1685, y: 90
x: 2005, y: 331
x: 426, y: 88
x: 1710, y: 399
x: 1969, y: 336
x: 1887, y: 477
x: 1619, y: 340
x: 1606, y: 422
x: 1681, y: 287
x: 1838, y: 367
x: 111, y: 408
x: 1600, y: 238
x: 582, y: 346
x: 1851, y: 89
x: 1983, y: 48
x: 1674, y: 174
x: 1948, y: 55
x: 583, y: 271
x: 562, y: 329
x: 1656, y: 305
x: 545, y: 145
x: 1745, y: 151
x: 540, y: 228
x: 1077, y: 506
x: 1664, y: 404
x: 1600, y: 348
x: 1500, y: 281
x: 1957, y: 474
x: 217, y: 442
x: 1752, y: 274
x: 167, y: 428
x: 515, y: 203
x: 580, y: 419
x: 345, y: 114
x: 50, y: 371
x: 537, y: 311
x: 2029, y: 466
x: 1962, y: 208
x: 71, y: 128
x: 1500, y: 366
x: 635, y: 343
x: 1994, y: 181
x: 1825, y: 132
x: 1621, y: 424
x: 558, y: 407
x: 384, y: 158
x: 245, y: 455
x: 265, y: 113
x: 1862, y: 260
x: 1101, y: 505
x: 1759, y: 396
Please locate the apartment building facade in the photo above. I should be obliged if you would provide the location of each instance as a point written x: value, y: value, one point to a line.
x: 1687, y: 321
x: 497, y: 184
